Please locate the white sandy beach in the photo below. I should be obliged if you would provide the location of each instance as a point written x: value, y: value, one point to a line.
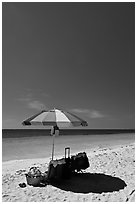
x: 110, y: 178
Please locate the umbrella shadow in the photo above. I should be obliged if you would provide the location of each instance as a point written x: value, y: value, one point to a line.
x: 91, y: 183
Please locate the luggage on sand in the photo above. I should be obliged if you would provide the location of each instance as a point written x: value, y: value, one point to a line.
x: 60, y: 169
x: 79, y: 162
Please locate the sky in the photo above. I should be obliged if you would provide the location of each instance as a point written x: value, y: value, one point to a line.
x: 78, y: 57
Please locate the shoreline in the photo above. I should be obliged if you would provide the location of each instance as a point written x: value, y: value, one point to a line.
x: 112, y: 146
x: 40, y: 147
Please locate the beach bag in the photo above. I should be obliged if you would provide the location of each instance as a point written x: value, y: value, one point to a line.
x: 56, y: 169
x: 34, y: 177
x: 79, y: 161
x: 59, y: 169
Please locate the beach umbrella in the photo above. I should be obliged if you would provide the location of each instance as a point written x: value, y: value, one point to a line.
x: 56, y: 119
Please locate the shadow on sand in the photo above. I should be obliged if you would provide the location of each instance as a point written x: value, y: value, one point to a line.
x: 87, y: 183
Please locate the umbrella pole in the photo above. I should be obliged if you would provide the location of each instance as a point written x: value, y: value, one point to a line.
x: 53, y: 146
x: 55, y: 133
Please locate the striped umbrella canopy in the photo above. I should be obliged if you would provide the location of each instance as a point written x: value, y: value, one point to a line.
x: 55, y: 118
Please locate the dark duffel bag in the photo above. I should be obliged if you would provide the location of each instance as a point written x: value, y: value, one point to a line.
x: 79, y: 162
x: 60, y: 169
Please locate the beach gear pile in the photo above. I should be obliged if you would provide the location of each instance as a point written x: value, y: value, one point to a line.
x: 58, y: 169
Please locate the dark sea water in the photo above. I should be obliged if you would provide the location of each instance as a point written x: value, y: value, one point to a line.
x: 17, y: 133
x: 30, y: 143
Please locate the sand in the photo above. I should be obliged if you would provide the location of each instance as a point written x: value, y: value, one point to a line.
x: 110, y: 178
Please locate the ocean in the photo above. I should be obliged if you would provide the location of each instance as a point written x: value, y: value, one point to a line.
x: 18, y: 144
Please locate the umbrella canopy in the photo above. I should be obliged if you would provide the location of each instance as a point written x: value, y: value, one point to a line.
x: 55, y: 117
